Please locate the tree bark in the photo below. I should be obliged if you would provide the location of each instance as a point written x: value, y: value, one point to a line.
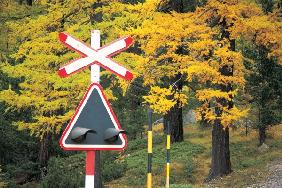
x: 262, y: 134
x: 262, y: 126
x: 221, y: 164
x: 44, y: 152
x: 174, y: 117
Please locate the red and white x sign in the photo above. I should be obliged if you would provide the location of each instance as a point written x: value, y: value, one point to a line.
x: 91, y: 56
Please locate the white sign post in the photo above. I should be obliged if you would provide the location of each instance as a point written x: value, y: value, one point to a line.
x: 95, y: 78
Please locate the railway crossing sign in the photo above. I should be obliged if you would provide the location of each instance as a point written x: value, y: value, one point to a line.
x: 94, y: 125
x: 89, y: 56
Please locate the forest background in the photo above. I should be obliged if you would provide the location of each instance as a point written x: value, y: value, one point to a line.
x: 220, y: 59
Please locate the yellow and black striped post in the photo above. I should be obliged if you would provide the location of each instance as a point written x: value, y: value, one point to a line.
x: 167, y: 154
x: 150, y: 151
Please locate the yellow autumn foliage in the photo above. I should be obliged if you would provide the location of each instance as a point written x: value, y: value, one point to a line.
x: 160, y: 99
x: 166, y: 45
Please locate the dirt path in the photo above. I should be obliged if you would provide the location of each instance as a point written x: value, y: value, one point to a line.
x: 274, y: 179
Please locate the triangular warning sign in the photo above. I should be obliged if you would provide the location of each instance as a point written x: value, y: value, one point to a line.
x: 94, y: 113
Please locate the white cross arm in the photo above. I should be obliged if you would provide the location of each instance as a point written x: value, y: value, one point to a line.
x: 91, y: 56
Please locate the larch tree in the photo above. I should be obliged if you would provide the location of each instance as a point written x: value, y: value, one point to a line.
x: 48, y: 99
x: 124, y: 19
x: 218, y: 98
x: 263, y: 32
x: 202, y: 57
x: 183, y: 44
x: 208, y: 57
x: 232, y: 20
x: 172, y: 44
x: 164, y: 39
x: 174, y: 117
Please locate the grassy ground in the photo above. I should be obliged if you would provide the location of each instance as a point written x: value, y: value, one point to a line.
x: 249, y: 165
x: 191, y: 159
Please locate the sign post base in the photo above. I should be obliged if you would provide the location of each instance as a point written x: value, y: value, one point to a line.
x: 90, y: 169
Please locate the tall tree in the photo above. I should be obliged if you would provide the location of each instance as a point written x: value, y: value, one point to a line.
x: 174, y: 116
x: 163, y: 69
x: 129, y: 16
x: 232, y: 20
x: 50, y: 100
x: 222, y: 16
x: 265, y: 87
x: 262, y: 33
x: 204, y: 58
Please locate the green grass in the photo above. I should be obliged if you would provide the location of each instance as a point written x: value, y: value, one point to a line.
x: 191, y: 160
x: 248, y: 164
x: 180, y: 186
x: 183, y: 166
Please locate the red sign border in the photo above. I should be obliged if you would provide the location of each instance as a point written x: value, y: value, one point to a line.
x: 76, y: 112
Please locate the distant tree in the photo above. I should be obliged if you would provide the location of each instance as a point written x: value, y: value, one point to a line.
x: 265, y: 79
x: 265, y: 87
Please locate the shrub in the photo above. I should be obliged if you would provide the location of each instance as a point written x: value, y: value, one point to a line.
x: 69, y: 172
x: 21, y: 173
x: 65, y: 172
x: 112, y: 166
x: 189, y: 170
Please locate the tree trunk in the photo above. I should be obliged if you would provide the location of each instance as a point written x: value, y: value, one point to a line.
x: 262, y: 134
x: 262, y: 126
x: 43, y: 152
x: 174, y: 117
x: 220, y: 164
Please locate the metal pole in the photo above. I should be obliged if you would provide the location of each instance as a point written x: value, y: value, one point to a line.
x: 167, y: 154
x: 150, y: 150
x: 95, y: 78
